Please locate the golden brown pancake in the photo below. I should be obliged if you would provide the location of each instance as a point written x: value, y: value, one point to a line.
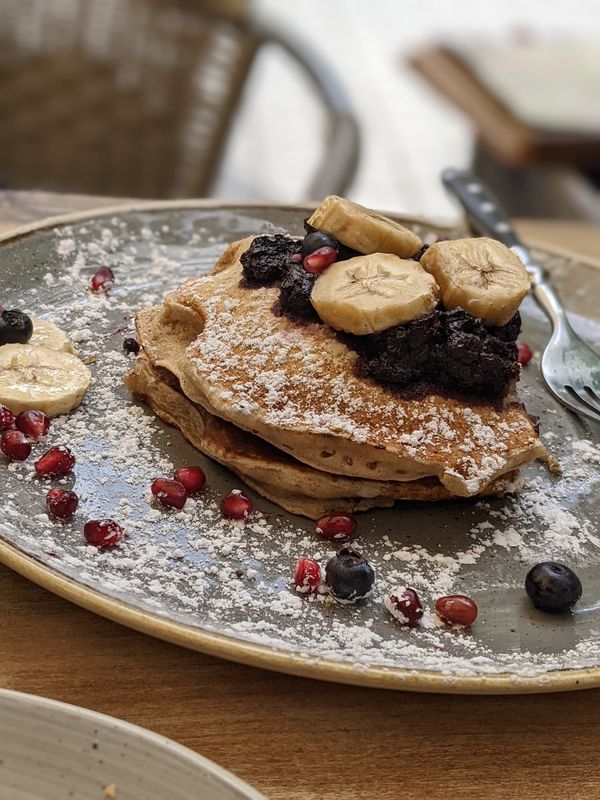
x: 295, y: 386
x: 294, y: 486
x: 281, y: 404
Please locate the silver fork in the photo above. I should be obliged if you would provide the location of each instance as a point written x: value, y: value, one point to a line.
x: 570, y: 368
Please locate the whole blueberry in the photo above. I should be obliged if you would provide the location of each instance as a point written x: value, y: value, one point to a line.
x: 130, y: 345
x: 316, y: 240
x: 15, y: 327
x: 553, y: 587
x: 349, y: 576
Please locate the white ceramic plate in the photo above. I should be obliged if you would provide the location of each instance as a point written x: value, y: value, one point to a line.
x: 55, y: 751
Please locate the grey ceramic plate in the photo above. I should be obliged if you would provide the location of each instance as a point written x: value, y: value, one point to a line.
x: 53, y: 751
x: 224, y: 588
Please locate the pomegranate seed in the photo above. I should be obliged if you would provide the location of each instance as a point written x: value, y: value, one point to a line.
x: 15, y: 445
x: 236, y: 505
x: 34, y: 423
x: 192, y: 478
x: 307, y: 575
x: 319, y: 260
x: 405, y: 606
x: 7, y: 418
x: 170, y: 493
x: 61, y: 503
x: 103, y: 532
x: 525, y: 354
x: 55, y: 462
x: 456, y: 609
x: 102, y: 280
x: 337, y: 527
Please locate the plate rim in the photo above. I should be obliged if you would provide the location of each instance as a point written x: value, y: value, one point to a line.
x: 27, y: 228
x: 265, y: 657
x: 260, y: 655
x: 137, y: 731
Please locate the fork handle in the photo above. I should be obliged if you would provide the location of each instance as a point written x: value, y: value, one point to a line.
x: 486, y: 215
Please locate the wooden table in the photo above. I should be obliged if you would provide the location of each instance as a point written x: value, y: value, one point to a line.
x: 458, y: 74
x: 294, y: 738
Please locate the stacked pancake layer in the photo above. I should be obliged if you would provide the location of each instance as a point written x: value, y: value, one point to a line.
x: 280, y: 404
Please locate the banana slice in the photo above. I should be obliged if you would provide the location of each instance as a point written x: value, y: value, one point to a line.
x: 481, y: 276
x: 39, y: 378
x: 47, y: 334
x: 363, y: 230
x: 370, y: 293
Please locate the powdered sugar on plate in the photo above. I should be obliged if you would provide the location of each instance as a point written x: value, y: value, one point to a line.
x: 234, y: 578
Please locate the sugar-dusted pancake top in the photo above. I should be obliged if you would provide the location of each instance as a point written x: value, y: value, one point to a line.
x: 296, y: 386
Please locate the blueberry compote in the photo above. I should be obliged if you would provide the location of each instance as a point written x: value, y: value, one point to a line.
x: 451, y: 352
x: 267, y: 259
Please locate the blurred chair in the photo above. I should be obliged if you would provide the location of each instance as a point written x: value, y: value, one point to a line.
x: 136, y: 97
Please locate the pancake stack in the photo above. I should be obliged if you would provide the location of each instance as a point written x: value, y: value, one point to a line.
x: 282, y: 404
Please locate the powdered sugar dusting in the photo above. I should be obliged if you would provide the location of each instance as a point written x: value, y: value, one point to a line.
x: 234, y: 578
x: 275, y: 374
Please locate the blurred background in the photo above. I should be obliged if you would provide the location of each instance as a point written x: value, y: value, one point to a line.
x: 285, y: 101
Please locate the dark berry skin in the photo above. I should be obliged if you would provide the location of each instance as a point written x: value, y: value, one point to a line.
x: 349, y: 576
x: 316, y: 240
x: 553, y: 587
x: 15, y: 327
x: 420, y: 252
x: 452, y: 350
x: 508, y: 332
x: 474, y: 361
x: 344, y: 253
x: 130, y: 345
x: 267, y: 259
x: 294, y: 294
x: 403, y: 354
